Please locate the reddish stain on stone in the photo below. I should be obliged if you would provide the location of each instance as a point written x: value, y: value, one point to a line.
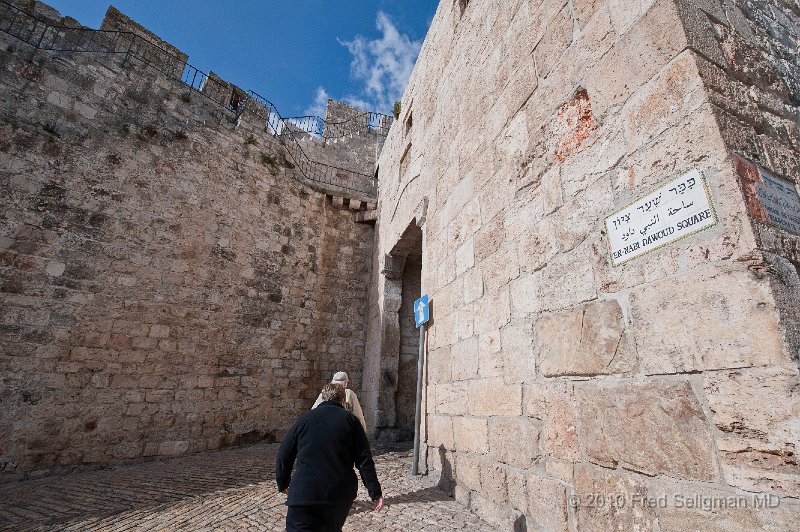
x: 749, y: 177
x: 577, y: 116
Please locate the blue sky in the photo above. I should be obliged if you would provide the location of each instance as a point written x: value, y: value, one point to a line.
x: 294, y: 53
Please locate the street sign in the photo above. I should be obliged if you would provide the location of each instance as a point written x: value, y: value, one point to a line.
x: 421, y: 312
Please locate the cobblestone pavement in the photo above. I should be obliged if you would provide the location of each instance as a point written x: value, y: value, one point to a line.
x: 226, y: 490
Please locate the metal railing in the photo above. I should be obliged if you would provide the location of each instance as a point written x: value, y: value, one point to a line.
x: 359, y: 124
x: 45, y: 36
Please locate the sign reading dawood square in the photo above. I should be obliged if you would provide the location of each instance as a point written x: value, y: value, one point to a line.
x: 675, y: 210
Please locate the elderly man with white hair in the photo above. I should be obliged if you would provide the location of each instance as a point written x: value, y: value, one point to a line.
x: 351, y: 403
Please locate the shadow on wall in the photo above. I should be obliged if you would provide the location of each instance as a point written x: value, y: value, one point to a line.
x: 447, y: 482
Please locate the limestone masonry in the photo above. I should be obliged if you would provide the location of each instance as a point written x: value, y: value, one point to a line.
x: 599, y: 196
x: 563, y: 392
x: 169, y: 284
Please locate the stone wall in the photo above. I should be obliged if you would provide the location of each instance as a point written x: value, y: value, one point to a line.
x: 563, y: 392
x: 167, y: 284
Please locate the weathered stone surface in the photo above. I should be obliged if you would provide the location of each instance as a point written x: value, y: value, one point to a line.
x: 440, y: 432
x: 514, y: 441
x: 624, y: 15
x: 465, y: 359
x: 490, y: 355
x: 494, y: 314
x: 586, y: 340
x: 493, y: 397
x: 585, y: 10
x: 519, y: 361
x: 547, y: 504
x: 757, y: 414
x: 497, y: 513
x: 706, y: 324
x: 560, y: 423
x: 654, y: 427
x: 557, y: 38
x: 685, y: 506
x: 493, y: 482
x: 451, y: 398
x: 604, y: 500
x: 500, y: 268
x: 173, y: 448
x: 651, y: 111
x: 473, y: 285
x: 471, y: 435
x: 517, y: 489
x: 621, y: 71
x: 468, y: 471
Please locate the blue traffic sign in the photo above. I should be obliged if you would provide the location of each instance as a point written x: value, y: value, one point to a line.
x: 421, y: 310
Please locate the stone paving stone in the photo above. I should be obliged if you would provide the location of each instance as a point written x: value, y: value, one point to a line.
x: 227, y: 490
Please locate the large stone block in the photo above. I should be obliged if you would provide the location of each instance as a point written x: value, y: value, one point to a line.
x: 451, y: 398
x: 489, y: 238
x: 637, y: 56
x: 518, y: 358
x: 468, y: 471
x: 471, y: 435
x: 517, y: 489
x: 500, y: 268
x: 585, y: 10
x: 537, y: 246
x: 493, y: 482
x: 493, y: 397
x: 493, y: 311
x: 590, y: 339
x: 557, y: 38
x: 440, y: 365
x: 757, y: 414
x: 710, y: 319
x: 676, y: 92
x: 465, y: 323
x: 575, y: 270
x: 473, y: 284
x: 603, y: 501
x: 440, y: 432
x: 490, y: 355
x: 465, y: 359
x: 514, y: 441
x: 465, y: 256
x: 560, y: 422
x: 625, y: 14
x: 547, y: 504
x: 525, y: 299
x: 654, y: 427
x: 693, y: 506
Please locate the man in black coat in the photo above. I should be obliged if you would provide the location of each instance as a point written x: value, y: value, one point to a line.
x: 326, y: 443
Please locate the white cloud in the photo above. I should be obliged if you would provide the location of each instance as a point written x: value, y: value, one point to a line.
x: 382, y: 65
x: 320, y: 104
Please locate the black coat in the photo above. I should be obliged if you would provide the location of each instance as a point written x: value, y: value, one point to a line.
x: 326, y: 443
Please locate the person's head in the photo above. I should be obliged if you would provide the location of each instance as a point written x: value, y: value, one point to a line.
x: 333, y: 392
x: 340, y: 377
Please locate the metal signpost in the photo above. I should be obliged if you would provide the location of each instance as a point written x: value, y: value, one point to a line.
x: 421, y: 314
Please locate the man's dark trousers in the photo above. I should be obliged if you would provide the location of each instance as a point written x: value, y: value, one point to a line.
x: 317, y: 518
